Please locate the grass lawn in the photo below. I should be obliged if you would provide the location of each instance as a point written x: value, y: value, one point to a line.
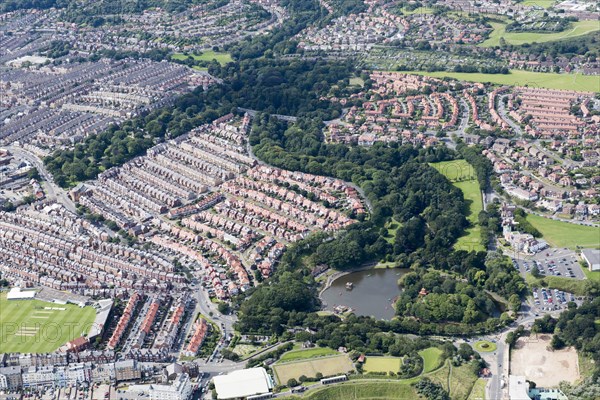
x: 382, y: 364
x: 565, y: 234
x: 591, y: 275
x: 307, y: 353
x: 457, y: 381
x: 518, y: 77
x: 27, y: 327
x: 568, y: 285
x: 392, y: 226
x: 356, y: 390
x: 328, y: 366
x: 245, y: 350
x: 541, y: 3
x: 357, y: 81
x: 462, y: 380
x: 484, y: 346
x: 209, y: 55
x: 419, y: 10
x: 431, y: 359
x: 478, y: 390
x: 455, y: 170
x: 462, y: 175
x: 517, y: 38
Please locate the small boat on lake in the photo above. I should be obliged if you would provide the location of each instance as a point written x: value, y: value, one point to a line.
x: 349, y: 285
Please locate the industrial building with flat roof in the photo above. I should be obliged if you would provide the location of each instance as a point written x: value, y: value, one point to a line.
x: 592, y: 258
x: 17, y: 294
x: 243, y: 383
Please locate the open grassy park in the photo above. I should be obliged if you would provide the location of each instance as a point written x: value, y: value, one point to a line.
x: 34, y: 326
x: 357, y: 390
x: 328, y: 366
x: 565, y: 234
x: 431, y: 359
x: 209, y: 55
x: 518, y: 38
x: 382, y: 364
x: 539, y: 3
x: 295, y: 355
x: 478, y: 391
x: 462, y: 175
x: 458, y: 381
x: 525, y: 78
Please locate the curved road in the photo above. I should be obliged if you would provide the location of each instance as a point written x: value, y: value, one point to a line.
x: 53, y: 191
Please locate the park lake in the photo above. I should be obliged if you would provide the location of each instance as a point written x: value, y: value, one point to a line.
x: 373, y: 292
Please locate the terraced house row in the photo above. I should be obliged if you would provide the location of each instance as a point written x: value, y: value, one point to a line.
x: 56, y: 106
x: 61, y: 255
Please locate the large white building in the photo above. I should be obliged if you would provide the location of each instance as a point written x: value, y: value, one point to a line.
x: 10, y: 378
x: 17, y: 294
x: 243, y: 383
x: 592, y: 257
x: 47, y: 376
x: 518, y: 388
x: 180, y: 389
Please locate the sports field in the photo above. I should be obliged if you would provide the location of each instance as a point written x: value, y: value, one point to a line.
x: 34, y: 326
x: 462, y: 175
x: 358, y: 390
x: 525, y: 78
x: 382, y: 364
x: 565, y: 234
x: 222, y: 58
x: 431, y: 359
x: 517, y: 38
x: 327, y: 366
x: 307, y: 353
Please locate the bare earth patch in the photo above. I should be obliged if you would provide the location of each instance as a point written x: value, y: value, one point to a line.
x: 534, y: 358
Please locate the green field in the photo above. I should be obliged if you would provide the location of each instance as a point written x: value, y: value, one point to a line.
x: 209, y: 55
x: 592, y: 275
x: 480, y: 346
x: 357, y: 81
x: 307, y: 353
x: 517, y: 38
x: 363, y: 390
x: 541, y: 3
x: 419, y: 10
x: 458, y: 381
x: 328, y: 366
x: 431, y: 359
x: 382, y: 364
x: 478, y: 390
x: 565, y: 234
x: 462, y: 175
x: 521, y: 78
x: 28, y: 328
